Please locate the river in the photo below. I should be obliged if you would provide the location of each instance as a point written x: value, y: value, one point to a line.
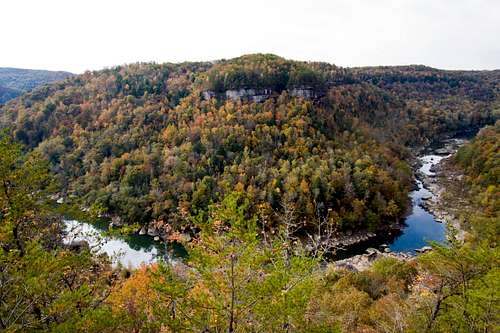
x: 131, y: 251
x: 420, y: 226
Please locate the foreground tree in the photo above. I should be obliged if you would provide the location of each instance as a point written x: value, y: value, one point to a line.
x: 230, y: 282
x: 467, y: 294
x: 43, y: 286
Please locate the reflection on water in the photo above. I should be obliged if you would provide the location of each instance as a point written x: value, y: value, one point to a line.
x: 420, y: 226
x: 130, y: 251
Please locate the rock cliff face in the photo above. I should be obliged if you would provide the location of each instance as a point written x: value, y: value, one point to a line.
x: 208, y: 94
x: 260, y: 95
x: 304, y: 92
x: 253, y: 95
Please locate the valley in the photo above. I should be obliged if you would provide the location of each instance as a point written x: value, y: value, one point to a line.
x: 253, y: 194
x: 144, y: 143
x: 402, y: 241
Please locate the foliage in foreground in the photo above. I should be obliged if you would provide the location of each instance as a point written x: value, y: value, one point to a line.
x: 455, y: 288
x: 43, y: 285
x: 232, y: 280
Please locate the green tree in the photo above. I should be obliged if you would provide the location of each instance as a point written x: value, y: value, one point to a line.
x: 232, y: 281
x: 43, y: 286
x: 467, y: 295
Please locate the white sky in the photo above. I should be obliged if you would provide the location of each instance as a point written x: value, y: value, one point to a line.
x: 76, y: 35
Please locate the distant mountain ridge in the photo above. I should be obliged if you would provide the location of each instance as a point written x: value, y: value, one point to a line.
x: 7, y: 93
x: 16, y: 81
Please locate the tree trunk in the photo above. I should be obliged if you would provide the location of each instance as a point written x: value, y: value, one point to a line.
x: 233, y: 296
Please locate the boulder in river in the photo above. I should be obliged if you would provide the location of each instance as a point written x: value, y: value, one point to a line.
x: 78, y: 245
x: 444, y: 151
x: 152, y: 231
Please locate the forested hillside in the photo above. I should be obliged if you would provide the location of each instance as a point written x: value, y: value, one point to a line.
x: 446, y: 102
x: 154, y: 143
x: 469, y: 274
x: 16, y: 81
x: 232, y: 280
x: 480, y: 161
x: 251, y: 154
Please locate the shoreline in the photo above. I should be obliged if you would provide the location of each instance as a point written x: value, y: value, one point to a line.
x: 434, y: 205
x: 440, y: 205
x: 356, y: 250
x: 346, y: 241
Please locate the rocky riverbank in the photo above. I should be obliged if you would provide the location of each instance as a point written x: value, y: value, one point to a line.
x: 364, y: 261
x: 435, y: 174
x: 444, y: 183
x: 346, y: 239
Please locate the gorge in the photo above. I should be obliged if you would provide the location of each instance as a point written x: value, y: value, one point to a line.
x: 410, y: 237
x: 260, y: 166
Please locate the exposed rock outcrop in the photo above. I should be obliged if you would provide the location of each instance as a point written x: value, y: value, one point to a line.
x: 208, y: 94
x: 254, y: 95
x: 78, y: 245
x: 260, y: 95
x: 362, y: 262
x: 116, y: 221
x: 304, y: 92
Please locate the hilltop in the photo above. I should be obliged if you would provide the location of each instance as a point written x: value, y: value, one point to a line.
x: 154, y: 143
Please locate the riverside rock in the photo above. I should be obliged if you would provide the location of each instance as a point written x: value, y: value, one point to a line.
x: 152, y: 231
x: 78, y: 245
x: 116, y: 221
x: 424, y: 249
x: 364, y: 261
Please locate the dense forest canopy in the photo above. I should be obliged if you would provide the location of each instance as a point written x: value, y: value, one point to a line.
x: 144, y: 142
x: 264, y: 72
x: 232, y: 280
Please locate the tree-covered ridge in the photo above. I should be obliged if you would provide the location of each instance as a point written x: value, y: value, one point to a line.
x: 28, y: 79
x: 481, y: 158
x: 480, y: 161
x: 443, y: 102
x: 16, y: 81
x: 264, y: 71
x: 142, y: 141
x: 7, y: 94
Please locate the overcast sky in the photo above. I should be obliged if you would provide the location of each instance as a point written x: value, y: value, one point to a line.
x: 76, y: 35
